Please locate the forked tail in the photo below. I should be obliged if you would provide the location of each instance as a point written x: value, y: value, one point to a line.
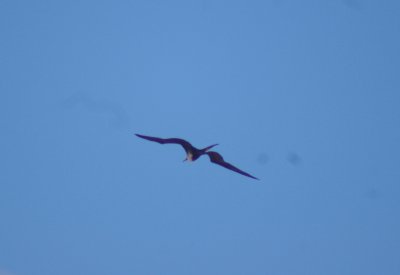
x: 208, y: 148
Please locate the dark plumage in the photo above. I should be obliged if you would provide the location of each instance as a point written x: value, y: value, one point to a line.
x: 192, y: 153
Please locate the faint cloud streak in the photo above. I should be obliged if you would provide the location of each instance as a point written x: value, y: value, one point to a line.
x: 118, y: 117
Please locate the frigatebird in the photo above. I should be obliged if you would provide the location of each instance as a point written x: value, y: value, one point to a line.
x: 192, y: 153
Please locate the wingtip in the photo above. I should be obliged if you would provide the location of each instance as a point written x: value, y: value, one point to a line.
x: 139, y: 135
x: 253, y: 177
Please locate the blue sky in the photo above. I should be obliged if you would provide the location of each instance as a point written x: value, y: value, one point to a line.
x: 302, y: 94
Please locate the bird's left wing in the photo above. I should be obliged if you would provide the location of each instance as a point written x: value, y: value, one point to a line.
x: 218, y: 159
x: 185, y: 144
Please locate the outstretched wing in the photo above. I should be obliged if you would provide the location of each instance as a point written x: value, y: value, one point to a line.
x: 218, y: 159
x: 186, y: 145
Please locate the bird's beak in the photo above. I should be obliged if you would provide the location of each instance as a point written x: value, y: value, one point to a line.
x: 185, y: 160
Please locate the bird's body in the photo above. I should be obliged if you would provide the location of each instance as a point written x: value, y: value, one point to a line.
x: 193, y: 153
x: 189, y: 156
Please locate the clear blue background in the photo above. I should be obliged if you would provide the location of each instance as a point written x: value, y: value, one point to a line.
x: 302, y: 94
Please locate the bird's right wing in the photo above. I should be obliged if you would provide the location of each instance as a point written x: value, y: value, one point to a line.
x: 218, y: 159
x: 186, y: 145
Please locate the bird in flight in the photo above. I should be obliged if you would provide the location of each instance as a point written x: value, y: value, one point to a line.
x: 192, y: 153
